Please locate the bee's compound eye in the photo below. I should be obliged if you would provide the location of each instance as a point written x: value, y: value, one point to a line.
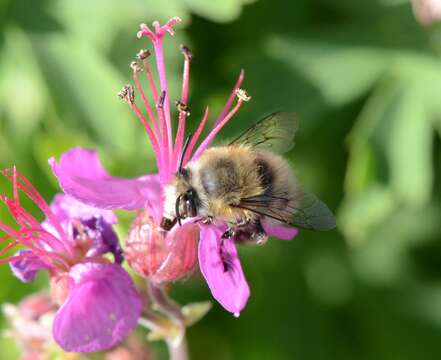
x: 190, y: 208
x: 184, y: 173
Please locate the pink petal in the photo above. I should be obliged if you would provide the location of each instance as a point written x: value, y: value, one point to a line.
x: 27, y: 268
x: 162, y: 256
x: 82, y: 176
x: 281, y: 232
x: 102, y: 308
x: 221, y: 268
x: 66, y: 207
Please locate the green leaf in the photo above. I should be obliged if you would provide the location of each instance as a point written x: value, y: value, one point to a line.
x: 341, y: 73
x: 80, y: 76
x: 220, y: 11
x: 23, y: 95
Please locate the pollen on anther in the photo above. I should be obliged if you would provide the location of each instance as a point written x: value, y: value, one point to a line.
x: 182, y: 107
x: 186, y: 52
x: 161, y: 99
x: 135, y: 67
x: 143, y: 54
x: 127, y: 94
x: 242, y: 95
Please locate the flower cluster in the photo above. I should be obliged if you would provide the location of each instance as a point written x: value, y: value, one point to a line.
x: 96, y: 302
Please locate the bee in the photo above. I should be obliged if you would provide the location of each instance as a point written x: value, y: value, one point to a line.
x: 247, y: 185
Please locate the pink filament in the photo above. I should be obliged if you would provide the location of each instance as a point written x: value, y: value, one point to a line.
x: 195, y: 137
x: 146, y: 104
x: 24, y: 185
x: 16, y: 257
x: 182, y: 114
x: 210, y: 137
x: 25, y: 237
x: 231, y: 97
x: 26, y: 220
x: 147, y: 127
x: 159, y: 53
x: 9, y: 247
x: 165, y: 167
x: 151, y: 81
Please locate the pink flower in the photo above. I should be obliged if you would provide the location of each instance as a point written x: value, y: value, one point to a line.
x: 153, y: 252
x: 427, y: 11
x: 99, y: 302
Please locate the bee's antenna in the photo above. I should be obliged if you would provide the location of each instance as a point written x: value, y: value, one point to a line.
x: 177, y: 206
x: 184, y: 150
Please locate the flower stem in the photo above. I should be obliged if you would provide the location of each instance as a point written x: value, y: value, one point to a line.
x: 166, y: 305
x: 176, y: 344
x: 178, y: 352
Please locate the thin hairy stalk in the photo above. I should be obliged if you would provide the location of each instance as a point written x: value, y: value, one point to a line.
x: 210, y: 137
x: 146, y: 104
x: 231, y: 98
x: 195, y: 137
x: 183, y: 113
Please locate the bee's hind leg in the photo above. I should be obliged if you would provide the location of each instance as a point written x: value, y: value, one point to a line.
x: 229, y: 233
x: 234, y: 228
x: 259, y: 236
x: 252, y: 233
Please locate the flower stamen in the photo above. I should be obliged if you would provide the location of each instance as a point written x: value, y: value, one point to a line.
x: 181, y: 107
x: 136, y: 70
x: 195, y: 137
x: 127, y: 94
x: 184, y: 100
x: 143, y: 55
x: 19, y: 182
x: 231, y: 97
x: 242, y: 96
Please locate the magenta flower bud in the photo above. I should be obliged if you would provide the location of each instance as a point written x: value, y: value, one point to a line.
x: 161, y: 255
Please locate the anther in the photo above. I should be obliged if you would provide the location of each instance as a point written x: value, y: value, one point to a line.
x: 127, y: 94
x: 186, y: 52
x: 182, y: 107
x: 136, y: 68
x: 143, y: 54
x: 161, y: 99
x: 242, y: 95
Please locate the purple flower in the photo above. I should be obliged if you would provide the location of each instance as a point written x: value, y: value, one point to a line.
x: 99, y: 302
x: 151, y: 251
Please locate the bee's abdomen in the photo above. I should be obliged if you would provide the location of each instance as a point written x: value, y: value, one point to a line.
x: 278, y: 182
x: 266, y: 174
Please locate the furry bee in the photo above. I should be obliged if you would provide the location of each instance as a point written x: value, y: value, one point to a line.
x: 247, y: 185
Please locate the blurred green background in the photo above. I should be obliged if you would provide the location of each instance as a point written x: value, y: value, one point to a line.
x: 365, y: 80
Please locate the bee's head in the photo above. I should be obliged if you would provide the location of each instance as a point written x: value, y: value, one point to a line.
x: 181, y: 198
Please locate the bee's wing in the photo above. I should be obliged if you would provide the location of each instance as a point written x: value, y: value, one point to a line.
x: 274, y: 132
x: 309, y: 212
